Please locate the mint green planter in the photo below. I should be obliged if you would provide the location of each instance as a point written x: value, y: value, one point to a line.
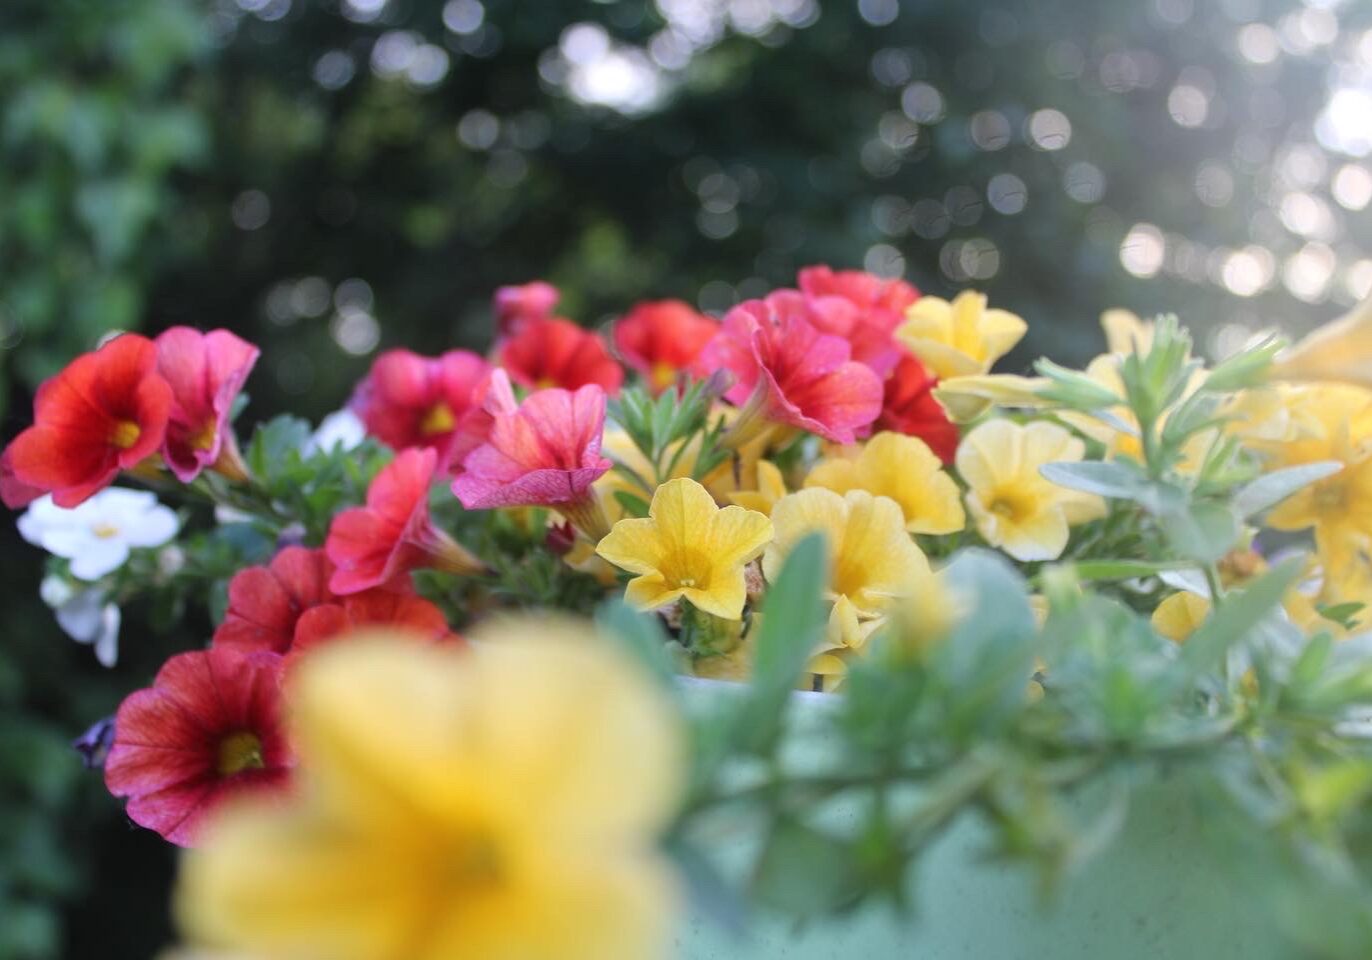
x: 1153, y: 894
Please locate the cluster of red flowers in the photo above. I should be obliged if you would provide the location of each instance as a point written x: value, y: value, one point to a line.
x: 822, y: 358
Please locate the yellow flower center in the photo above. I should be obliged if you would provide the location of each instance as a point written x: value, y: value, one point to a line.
x: 544, y: 383
x: 239, y: 752
x: 663, y: 375
x: 105, y: 531
x: 1330, y: 497
x: 1013, y: 505
x: 438, y: 419
x: 125, y: 434
x: 203, y: 439
x: 469, y: 860
x: 688, y: 567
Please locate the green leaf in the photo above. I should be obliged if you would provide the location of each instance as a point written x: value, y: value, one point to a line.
x: 804, y: 871
x: 1272, y: 488
x: 642, y: 636
x: 634, y: 505
x: 1234, y: 619
x: 1202, y: 531
x: 1126, y: 569
x: 1108, y: 478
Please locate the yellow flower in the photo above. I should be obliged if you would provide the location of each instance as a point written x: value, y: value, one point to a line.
x: 771, y: 487
x: 687, y: 547
x: 1125, y: 333
x: 1013, y: 506
x: 845, y: 637
x: 500, y: 801
x: 965, y: 399
x: 960, y: 338
x: 871, y: 557
x: 904, y: 469
x: 1338, y: 351
x: 1179, y: 616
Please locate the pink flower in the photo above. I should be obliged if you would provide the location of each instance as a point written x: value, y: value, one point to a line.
x: 553, y: 352
x: 545, y: 452
x: 788, y: 372
x: 392, y: 535
x: 661, y: 338
x: 408, y: 400
x: 206, y: 372
x: 517, y: 305
x: 862, y: 308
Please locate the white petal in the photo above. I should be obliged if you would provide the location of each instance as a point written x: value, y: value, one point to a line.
x: 55, y: 591
x: 99, y: 558
x: 341, y: 429
x: 69, y: 542
x: 152, y: 528
x: 118, y: 504
x: 80, y: 616
x: 41, y: 516
x: 107, y: 644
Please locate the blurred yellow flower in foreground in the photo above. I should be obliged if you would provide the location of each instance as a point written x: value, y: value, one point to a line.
x: 871, y: 557
x: 1339, y: 351
x: 1014, y: 506
x: 687, y: 547
x: 960, y: 338
x: 1180, y: 615
x: 1125, y: 333
x: 904, y: 469
x: 499, y: 802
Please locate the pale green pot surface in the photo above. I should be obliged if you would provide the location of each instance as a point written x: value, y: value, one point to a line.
x: 1154, y: 894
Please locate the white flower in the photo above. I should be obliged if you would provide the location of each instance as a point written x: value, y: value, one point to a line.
x: 340, y: 430
x: 97, y: 535
x: 85, y: 617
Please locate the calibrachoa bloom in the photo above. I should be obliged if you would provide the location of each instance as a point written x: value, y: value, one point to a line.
x: 790, y: 373
x: 871, y: 558
x: 687, y: 547
x: 553, y: 352
x: 85, y: 615
x: 517, y: 305
x: 908, y: 406
x: 1013, y: 505
x: 404, y: 614
x: 206, y: 372
x: 862, y: 308
x: 959, y: 338
x: 904, y: 469
x: 209, y: 727
x: 105, y: 412
x: 543, y: 452
x: 392, y: 535
x: 501, y: 801
x: 98, y: 535
x: 408, y: 400
x: 771, y: 487
x: 660, y: 339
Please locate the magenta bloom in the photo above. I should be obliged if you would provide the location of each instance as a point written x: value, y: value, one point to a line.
x: 206, y: 372
x: 392, y: 535
x: 861, y: 308
x: 545, y: 452
x: 788, y: 372
x: 517, y: 305
x: 208, y: 728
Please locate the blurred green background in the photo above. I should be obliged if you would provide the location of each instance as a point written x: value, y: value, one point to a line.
x: 332, y: 177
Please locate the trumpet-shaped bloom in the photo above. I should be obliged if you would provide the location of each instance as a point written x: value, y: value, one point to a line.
x: 862, y: 308
x: 412, y: 401
x: 1014, y: 506
x: 106, y: 411
x: 553, y: 352
x: 845, y: 637
x: 392, y: 535
x: 960, y: 338
x: 544, y: 452
x: 517, y: 305
x: 791, y: 372
x: 98, y: 535
x: 967, y: 398
x: 871, y: 558
x: 1340, y: 351
x: 771, y: 487
x: 207, y: 729
x: 404, y: 614
x: 904, y: 469
x: 660, y: 339
x: 495, y: 802
x: 206, y: 372
x: 908, y: 406
x: 687, y: 547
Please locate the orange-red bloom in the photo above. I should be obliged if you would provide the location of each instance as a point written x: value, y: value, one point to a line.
x: 105, y: 412
x: 789, y: 372
x: 553, y: 352
x: 518, y: 305
x: 406, y: 613
x: 661, y: 338
x: 206, y: 372
x: 392, y: 535
x: 861, y: 308
x: 909, y: 407
x: 408, y: 400
x: 208, y: 728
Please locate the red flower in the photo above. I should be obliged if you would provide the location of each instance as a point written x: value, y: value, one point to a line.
x: 206, y: 372
x: 553, y: 352
x: 407, y: 612
x: 789, y: 372
x: 104, y: 413
x: 392, y: 534
x: 518, y: 305
x: 412, y: 401
x: 862, y: 308
x: 909, y: 407
x: 209, y: 727
x: 660, y: 339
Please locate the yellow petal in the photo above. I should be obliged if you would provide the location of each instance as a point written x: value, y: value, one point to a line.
x: 876, y: 559
x: 724, y: 597
x: 650, y: 592
x: 1125, y: 333
x: 633, y: 544
x: 680, y: 508
x: 1339, y: 351
x: 990, y: 454
x: 1178, y: 616
x: 967, y: 398
x: 733, y: 536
